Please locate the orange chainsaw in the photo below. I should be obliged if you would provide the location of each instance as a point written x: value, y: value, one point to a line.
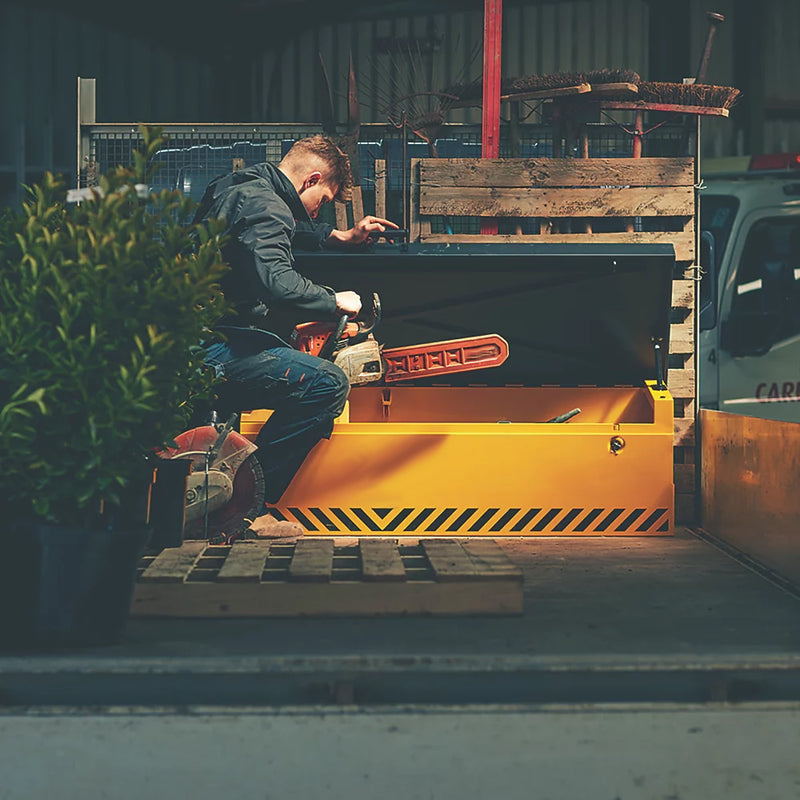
x: 351, y: 345
x: 225, y: 488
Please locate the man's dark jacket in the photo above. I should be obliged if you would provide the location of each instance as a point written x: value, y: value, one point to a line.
x: 262, y: 212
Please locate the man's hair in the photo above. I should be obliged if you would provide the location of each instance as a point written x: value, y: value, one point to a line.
x: 333, y: 158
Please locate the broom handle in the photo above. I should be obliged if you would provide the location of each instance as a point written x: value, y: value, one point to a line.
x: 714, y: 21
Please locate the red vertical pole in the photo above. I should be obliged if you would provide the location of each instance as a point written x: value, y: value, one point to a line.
x: 492, y: 51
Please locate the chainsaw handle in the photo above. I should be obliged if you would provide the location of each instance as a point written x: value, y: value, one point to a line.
x: 364, y: 327
x: 329, y: 348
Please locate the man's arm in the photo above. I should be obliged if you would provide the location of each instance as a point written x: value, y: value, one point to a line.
x: 360, y: 231
x: 265, y: 258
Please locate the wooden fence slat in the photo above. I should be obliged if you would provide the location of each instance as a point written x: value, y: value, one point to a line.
x: 683, y: 242
x: 173, y: 564
x: 565, y: 202
x: 539, y: 172
x: 312, y: 561
x: 380, y: 560
x: 449, y: 560
x: 245, y: 562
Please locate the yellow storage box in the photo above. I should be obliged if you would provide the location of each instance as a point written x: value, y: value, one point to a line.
x: 484, y: 460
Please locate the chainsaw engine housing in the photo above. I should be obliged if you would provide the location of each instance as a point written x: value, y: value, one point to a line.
x: 362, y: 362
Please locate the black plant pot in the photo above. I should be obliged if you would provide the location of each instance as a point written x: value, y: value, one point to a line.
x: 71, y: 586
x: 85, y: 583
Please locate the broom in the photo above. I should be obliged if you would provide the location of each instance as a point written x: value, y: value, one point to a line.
x: 564, y: 80
x: 688, y: 94
x: 472, y: 93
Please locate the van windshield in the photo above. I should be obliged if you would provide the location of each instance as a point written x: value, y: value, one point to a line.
x: 717, y: 213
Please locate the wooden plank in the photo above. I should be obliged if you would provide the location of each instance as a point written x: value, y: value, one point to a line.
x: 565, y: 202
x: 681, y: 337
x: 490, y: 558
x: 380, y: 188
x: 380, y: 560
x: 525, y: 173
x: 683, y: 292
x: 173, y: 564
x: 312, y: 561
x: 350, y: 599
x: 341, y: 216
x: 684, y: 432
x: 357, y: 204
x: 684, y: 478
x: 641, y: 105
x: 683, y: 243
x: 681, y: 383
x: 449, y: 560
x: 245, y: 562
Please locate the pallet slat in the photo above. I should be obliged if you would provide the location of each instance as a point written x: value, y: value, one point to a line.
x: 381, y: 561
x: 173, y: 564
x: 528, y: 173
x: 245, y: 562
x: 313, y: 561
x: 671, y: 201
x: 449, y: 560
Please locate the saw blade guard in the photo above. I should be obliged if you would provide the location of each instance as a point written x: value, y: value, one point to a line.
x: 195, y: 443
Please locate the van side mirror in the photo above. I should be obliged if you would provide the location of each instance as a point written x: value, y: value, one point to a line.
x: 708, y: 282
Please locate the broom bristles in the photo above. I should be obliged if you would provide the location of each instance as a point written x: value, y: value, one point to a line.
x: 560, y: 80
x: 688, y: 94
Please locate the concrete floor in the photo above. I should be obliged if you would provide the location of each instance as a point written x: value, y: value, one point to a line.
x: 643, y: 753
x: 665, y: 609
x: 641, y: 668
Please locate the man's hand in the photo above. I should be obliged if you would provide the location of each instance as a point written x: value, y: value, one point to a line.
x: 362, y: 229
x: 348, y: 303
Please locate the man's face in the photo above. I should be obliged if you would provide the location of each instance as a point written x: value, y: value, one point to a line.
x: 315, y: 192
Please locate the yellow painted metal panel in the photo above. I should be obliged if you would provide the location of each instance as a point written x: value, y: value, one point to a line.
x: 487, y: 463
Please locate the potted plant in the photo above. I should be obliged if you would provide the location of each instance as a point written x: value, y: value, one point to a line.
x: 103, y: 305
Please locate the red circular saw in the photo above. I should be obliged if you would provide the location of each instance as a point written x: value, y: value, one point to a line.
x: 225, y: 489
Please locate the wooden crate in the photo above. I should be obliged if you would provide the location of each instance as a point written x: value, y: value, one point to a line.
x: 660, y: 190
x: 372, y: 577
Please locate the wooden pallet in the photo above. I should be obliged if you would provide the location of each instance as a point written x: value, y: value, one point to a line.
x: 318, y: 578
x: 662, y: 190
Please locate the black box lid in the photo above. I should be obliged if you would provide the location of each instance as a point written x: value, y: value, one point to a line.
x: 572, y: 314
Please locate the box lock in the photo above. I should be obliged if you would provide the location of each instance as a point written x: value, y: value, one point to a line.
x: 616, y: 444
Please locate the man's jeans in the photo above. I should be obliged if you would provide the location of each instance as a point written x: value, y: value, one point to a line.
x: 306, y: 394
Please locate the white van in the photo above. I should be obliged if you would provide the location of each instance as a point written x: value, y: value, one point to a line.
x: 749, y: 303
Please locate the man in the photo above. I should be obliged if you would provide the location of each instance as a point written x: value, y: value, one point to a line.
x: 263, y: 207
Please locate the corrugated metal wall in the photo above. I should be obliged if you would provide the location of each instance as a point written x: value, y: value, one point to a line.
x: 43, y: 52
x: 783, y: 74
x: 541, y: 38
x: 41, y: 55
